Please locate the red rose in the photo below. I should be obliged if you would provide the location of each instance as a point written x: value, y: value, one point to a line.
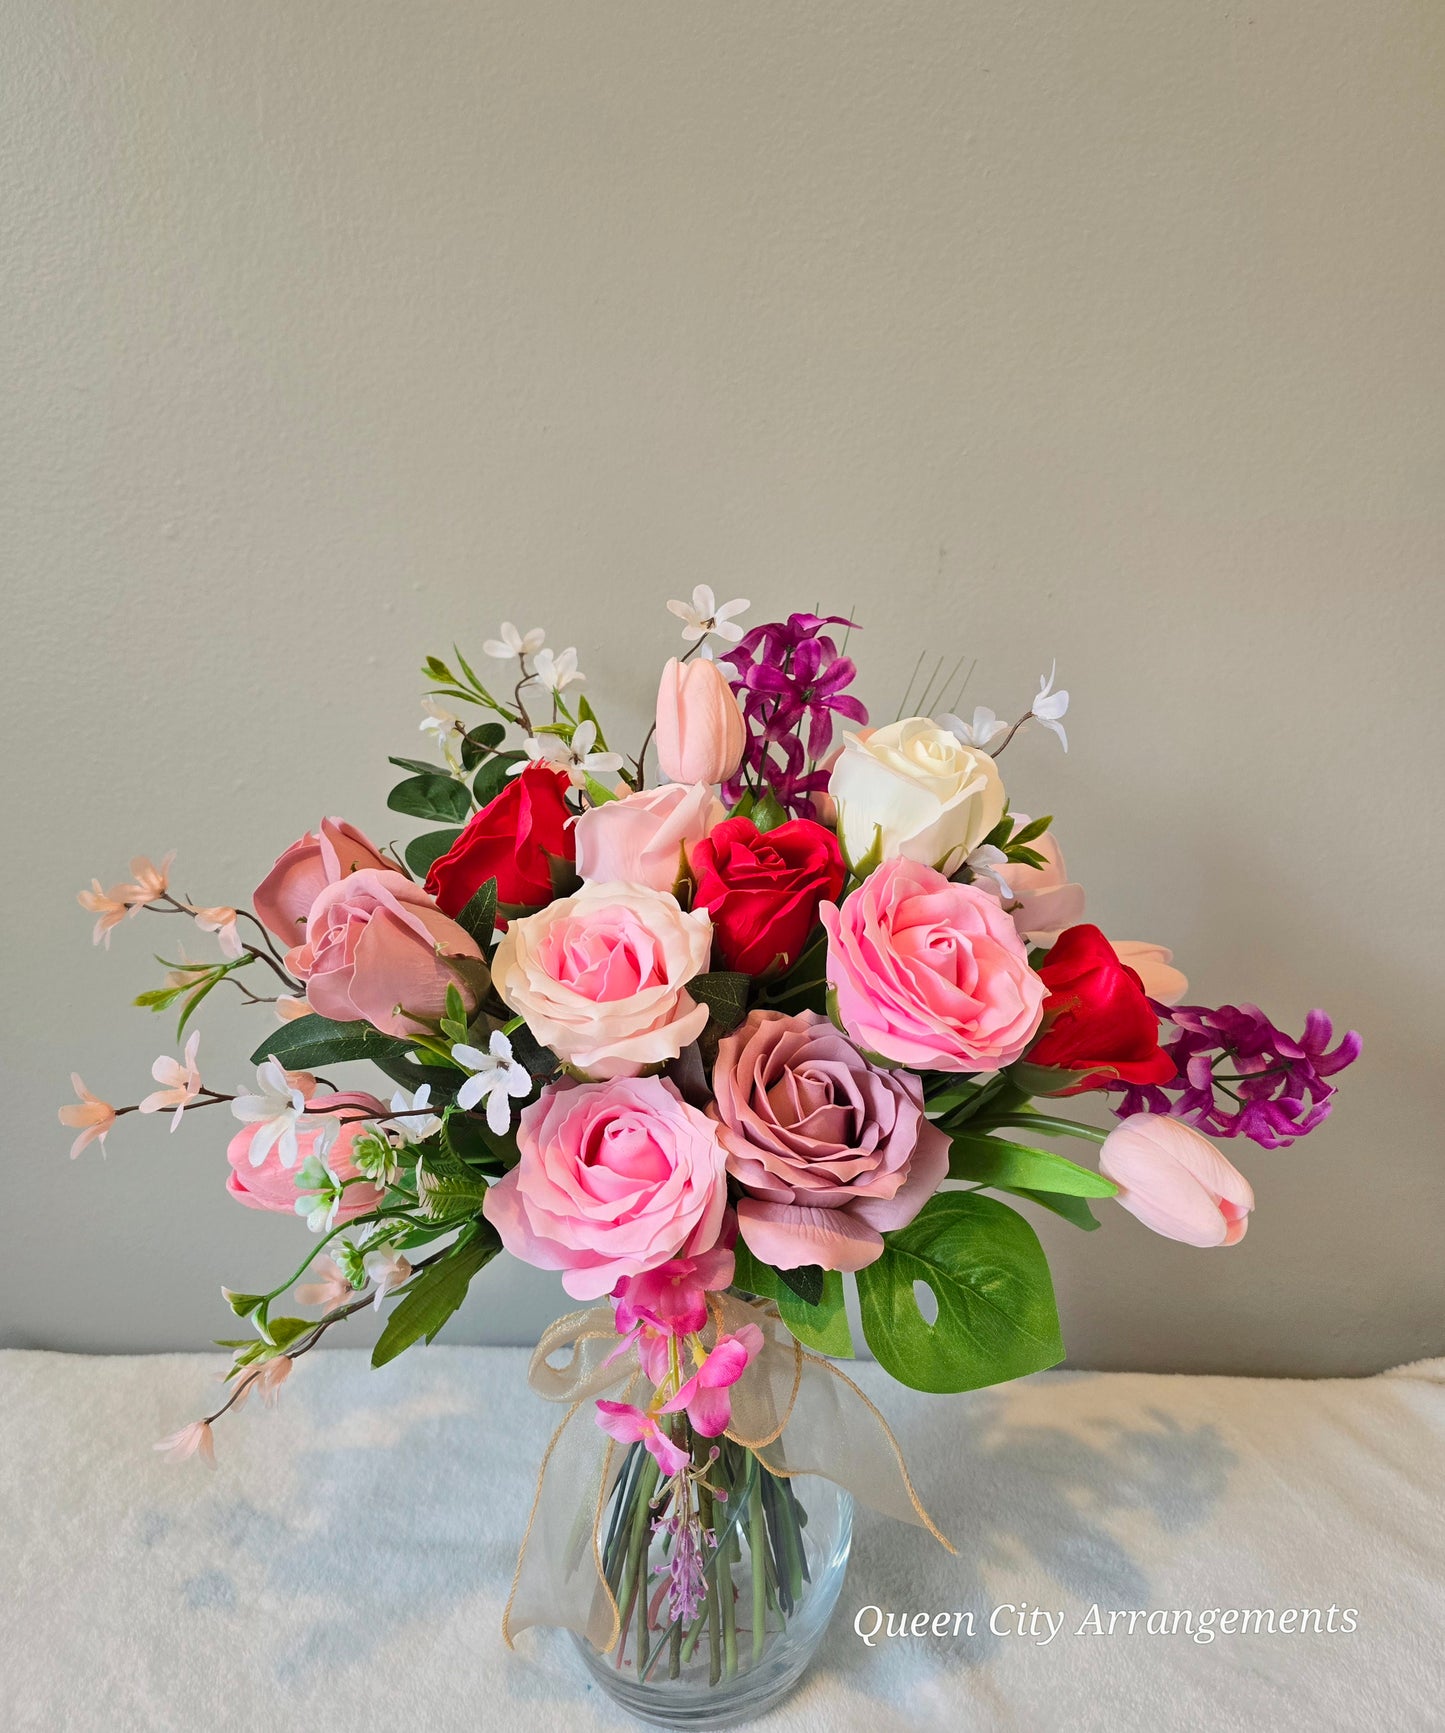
x: 1097, y: 1017
x: 514, y: 840
x: 762, y: 888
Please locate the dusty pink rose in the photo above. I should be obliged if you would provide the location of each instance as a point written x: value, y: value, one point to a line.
x: 272, y: 1185
x: 647, y: 838
x: 1049, y: 901
x: 615, y: 1178
x: 1154, y: 965
x: 830, y: 1151
x: 1176, y: 1182
x: 284, y: 897
x: 930, y: 973
x: 379, y: 950
x: 601, y: 977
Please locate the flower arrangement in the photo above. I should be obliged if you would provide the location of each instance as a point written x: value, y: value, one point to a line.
x: 803, y: 1010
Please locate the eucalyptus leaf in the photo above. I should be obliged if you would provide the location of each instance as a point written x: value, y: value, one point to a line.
x: 431, y: 796
x: 479, y: 742
x: 419, y: 765
x: 996, y: 1313
x: 480, y: 914
x: 492, y: 778
x: 432, y: 1295
x: 423, y: 850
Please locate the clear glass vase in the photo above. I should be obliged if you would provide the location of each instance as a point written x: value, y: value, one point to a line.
x: 766, y: 1557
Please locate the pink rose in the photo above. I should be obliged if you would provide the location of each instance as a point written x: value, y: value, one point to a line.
x: 615, y: 1178
x: 379, y: 950
x: 284, y: 897
x: 1050, y: 901
x: 930, y: 973
x: 1176, y: 1182
x: 601, y: 977
x: 272, y: 1185
x: 1154, y: 965
x: 647, y: 838
x: 830, y: 1151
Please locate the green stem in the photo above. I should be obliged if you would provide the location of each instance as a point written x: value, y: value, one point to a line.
x: 757, y: 1545
x: 1023, y: 1120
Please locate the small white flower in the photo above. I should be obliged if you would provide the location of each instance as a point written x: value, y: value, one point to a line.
x: 180, y: 1081
x: 577, y: 759
x: 275, y: 1110
x: 414, y: 1125
x: 557, y: 670
x: 496, y: 1078
x: 388, y: 1269
x: 513, y: 643
x: 222, y: 922
x: 706, y: 616
x: 439, y: 723
x: 984, y: 727
x: 321, y: 1201
x: 1049, y: 707
x: 985, y: 863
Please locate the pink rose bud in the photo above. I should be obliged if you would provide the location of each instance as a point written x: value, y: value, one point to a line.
x: 646, y: 839
x: 284, y: 897
x: 1176, y: 1182
x: 700, y: 729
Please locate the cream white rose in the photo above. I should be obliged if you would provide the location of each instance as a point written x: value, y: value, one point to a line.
x: 931, y: 798
x: 601, y: 977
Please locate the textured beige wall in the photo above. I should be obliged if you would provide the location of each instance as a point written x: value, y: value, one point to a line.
x: 1111, y: 331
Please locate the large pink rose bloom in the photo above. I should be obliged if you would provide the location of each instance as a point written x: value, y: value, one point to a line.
x: 379, y: 950
x: 272, y: 1185
x: 647, y: 838
x: 284, y: 897
x: 930, y: 973
x: 601, y: 977
x: 831, y: 1151
x: 615, y: 1178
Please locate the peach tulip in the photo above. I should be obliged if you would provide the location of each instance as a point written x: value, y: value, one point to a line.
x: 1176, y: 1182
x: 700, y: 729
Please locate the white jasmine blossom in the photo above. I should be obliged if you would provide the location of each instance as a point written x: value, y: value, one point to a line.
x: 441, y: 726
x: 984, y: 727
x: 557, y: 670
x: 577, y: 758
x: 496, y: 1079
x: 414, y: 1123
x: 1049, y: 707
x: 275, y: 1110
x: 985, y: 863
x: 322, y: 1191
x: 513, y: 643
x: 704, y: 616
x: 388, y: 1269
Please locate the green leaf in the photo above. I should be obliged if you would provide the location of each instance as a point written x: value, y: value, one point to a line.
x: 725, y: 993
x: 596, y: 793
x: 1035, y: 828
x: 492, y: 778
x: 871, y: 861
x: 744, y: 808
x: 1072, y: 1209
x: 447, y: 1188
x: 806, y: 1281
x: 996, y: 1313
x: 241, y: 1304
x: 423, y: 850
x: 585, y: 713
x: 822, y: 1327
x: 541, y: 1062
x: 311, y: 1041
x: 435, y: 669
x: 432, y: 796
x: 480, y: 742
x: 470, y: 1139
x: 431, y: 1296
x: 996, y: 1161
x: 1041, y: 1079
x: 768, y: 813
x: 419, y: 765
x: 282, y: 1332
x: 1021, y: 856
x: 480, y: 914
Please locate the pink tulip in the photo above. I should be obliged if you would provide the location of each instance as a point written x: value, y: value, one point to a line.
x: 1152, y: 964
x: 284, y: 897
x: 700, y: 729
x: 271, y: 1185
x: 705, y: 1396
x: 1176, y: 1182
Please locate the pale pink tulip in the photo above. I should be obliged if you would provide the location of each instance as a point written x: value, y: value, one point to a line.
x: 333, y: 1289
x: 1048, y: 901
x: 1152, y: 964
x: 192, y: 1440
x: 109, y: 907
x: 221, y: 922
x: 180, y: 1081
x: 700, y: 729
x: 1176, y: 1182
x: 91, y: 1116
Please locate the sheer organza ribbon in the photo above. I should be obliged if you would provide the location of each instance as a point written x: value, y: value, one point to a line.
x: 795, y: 1410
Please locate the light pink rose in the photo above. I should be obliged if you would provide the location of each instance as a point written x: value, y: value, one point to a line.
x: 1176, y: 1182
x: 929, y: 973
x: 379, y: 950
x: 1153, y: 964
x: 615, y: 1178
x: 647, y: 838
x: 830, y: 1151
x: 284, y: 897
x: 272, y: 1186
x: 601, y: 977
x: 1050, y: 901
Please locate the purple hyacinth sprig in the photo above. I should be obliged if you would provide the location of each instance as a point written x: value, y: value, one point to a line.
x: 790, y: 679
x: 1237, y: 1075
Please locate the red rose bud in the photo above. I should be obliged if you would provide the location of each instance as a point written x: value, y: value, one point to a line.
x: 763, y: 889
x: 513, y: 840
x: 1097, y: 1018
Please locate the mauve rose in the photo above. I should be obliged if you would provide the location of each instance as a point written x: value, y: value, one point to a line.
x: 648, y: 838
x: 284, y: 897
x: 601, y: 977
x: 272, y: 1186
x: 614, y: 1178
x: 379, y: 950
x: 930, y: 973
x: 830, y: 1151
